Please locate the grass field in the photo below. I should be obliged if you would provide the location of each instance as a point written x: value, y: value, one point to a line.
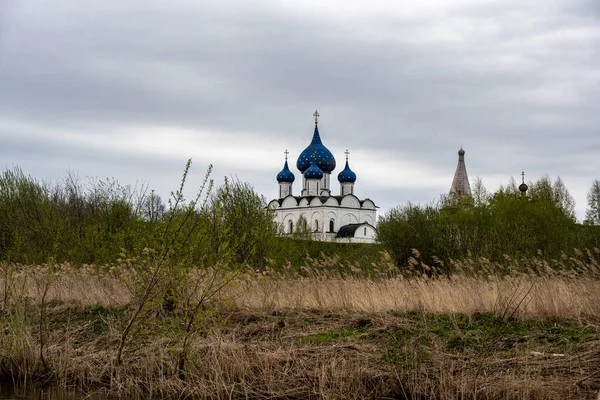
x: 525, y: 329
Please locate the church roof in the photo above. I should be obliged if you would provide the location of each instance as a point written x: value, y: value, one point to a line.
x: 460, y: 183
x: 324, y: 158
x: 347, y: 175
x: 313, y: 172
x: 350, y: 229
x: 286, y: 175
x: 324, y: 199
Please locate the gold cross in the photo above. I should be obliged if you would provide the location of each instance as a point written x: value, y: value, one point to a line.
x: 316, y: 115
x: 286, y: 154
x: 346, y: 153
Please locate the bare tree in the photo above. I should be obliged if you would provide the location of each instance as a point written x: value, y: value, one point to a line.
x: 592, y: 214
x: 481, y: 196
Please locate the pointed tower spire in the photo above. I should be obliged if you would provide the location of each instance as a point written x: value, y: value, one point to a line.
x: 460, y: 185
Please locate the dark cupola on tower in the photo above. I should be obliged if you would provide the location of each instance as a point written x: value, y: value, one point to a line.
x: 523, y: 186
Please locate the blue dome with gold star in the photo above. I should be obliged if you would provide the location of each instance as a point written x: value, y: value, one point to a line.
x: 347, y: 175
x: 313, y: 172
x: 324, y: 158
x: 285, y: 175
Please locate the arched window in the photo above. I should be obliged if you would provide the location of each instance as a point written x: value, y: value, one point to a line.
x: 316, y: 225
x: 331, y: 225
x: 365, y: 231
x: 291, y: 225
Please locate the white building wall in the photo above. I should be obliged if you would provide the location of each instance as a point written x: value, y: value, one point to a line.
x: 346, y: 188
x: 291, y: 210
x: 312, y: 186
x: 285, y: 189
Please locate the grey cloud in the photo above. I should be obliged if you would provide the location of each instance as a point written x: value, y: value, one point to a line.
x: 521, y: 91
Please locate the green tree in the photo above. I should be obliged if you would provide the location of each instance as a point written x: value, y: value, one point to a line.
x: 489, y: 226
x: 302, y: 229
x: 555, y: 192
x: 408, y: 227
x: 247, y: 222
x: 592, y: 214
x: 563, y: 199
x: 481, y: 196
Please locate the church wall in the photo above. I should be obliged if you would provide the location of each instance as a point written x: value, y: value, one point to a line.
x: 346, y: 188
x: 349, y: 218
x: 303, y: 202
x: 316, y: 221
x: 289, y: 202
x: 285, y: 189
x: 332, y: 201
x: 368, y: 204
x: 350, y: 201
x: 336, y: 223
x: 315, y: 202
x: 323, y: 214
x: 365, y: 232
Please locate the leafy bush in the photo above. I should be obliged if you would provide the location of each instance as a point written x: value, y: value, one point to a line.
x: 505, y: 223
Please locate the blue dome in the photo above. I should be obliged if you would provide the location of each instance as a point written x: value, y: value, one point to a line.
x: 313, y: 172
x: 347, y: 175
x: 285, y: 175
x: 324, y: 158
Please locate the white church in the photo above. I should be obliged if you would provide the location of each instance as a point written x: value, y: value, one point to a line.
x: 342, y: 217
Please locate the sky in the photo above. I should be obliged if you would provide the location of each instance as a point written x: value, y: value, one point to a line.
x: 131, y: 89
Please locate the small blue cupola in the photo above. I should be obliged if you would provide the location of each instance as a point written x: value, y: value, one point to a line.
x: 285, y: 179
x: 285, y: 175
x: 324, y: 159
x: 347, y: 175
x: 313, y: 172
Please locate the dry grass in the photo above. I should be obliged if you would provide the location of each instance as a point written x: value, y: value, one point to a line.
x: 538, y: 297
x: 487, y: 332
x: 542, y: 293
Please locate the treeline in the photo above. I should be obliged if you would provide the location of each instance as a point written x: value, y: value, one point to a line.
x: 99, y: 221
x: 506, y: 223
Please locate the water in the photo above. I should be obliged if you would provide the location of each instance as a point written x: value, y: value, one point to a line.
x: 9, y: 392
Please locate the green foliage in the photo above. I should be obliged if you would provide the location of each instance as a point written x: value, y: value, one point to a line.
x: 298, y: 253
x: 247, y: 223
x: 332, y: 336
x: 94, y: 223
x: 65, y: 222
x: 411, y: 227
x: 592, y: 213
x: 505, y: 223
x: 484, y: 331
x: 543, y: 190
x: 302, y: 229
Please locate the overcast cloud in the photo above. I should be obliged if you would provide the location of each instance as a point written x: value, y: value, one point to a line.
x: 132, y: 89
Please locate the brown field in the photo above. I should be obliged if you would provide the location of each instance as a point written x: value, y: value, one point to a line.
x: 529, y: 333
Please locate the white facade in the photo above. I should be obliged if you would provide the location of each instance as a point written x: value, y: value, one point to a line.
x: 325, y: 215
x: 329, y: 217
